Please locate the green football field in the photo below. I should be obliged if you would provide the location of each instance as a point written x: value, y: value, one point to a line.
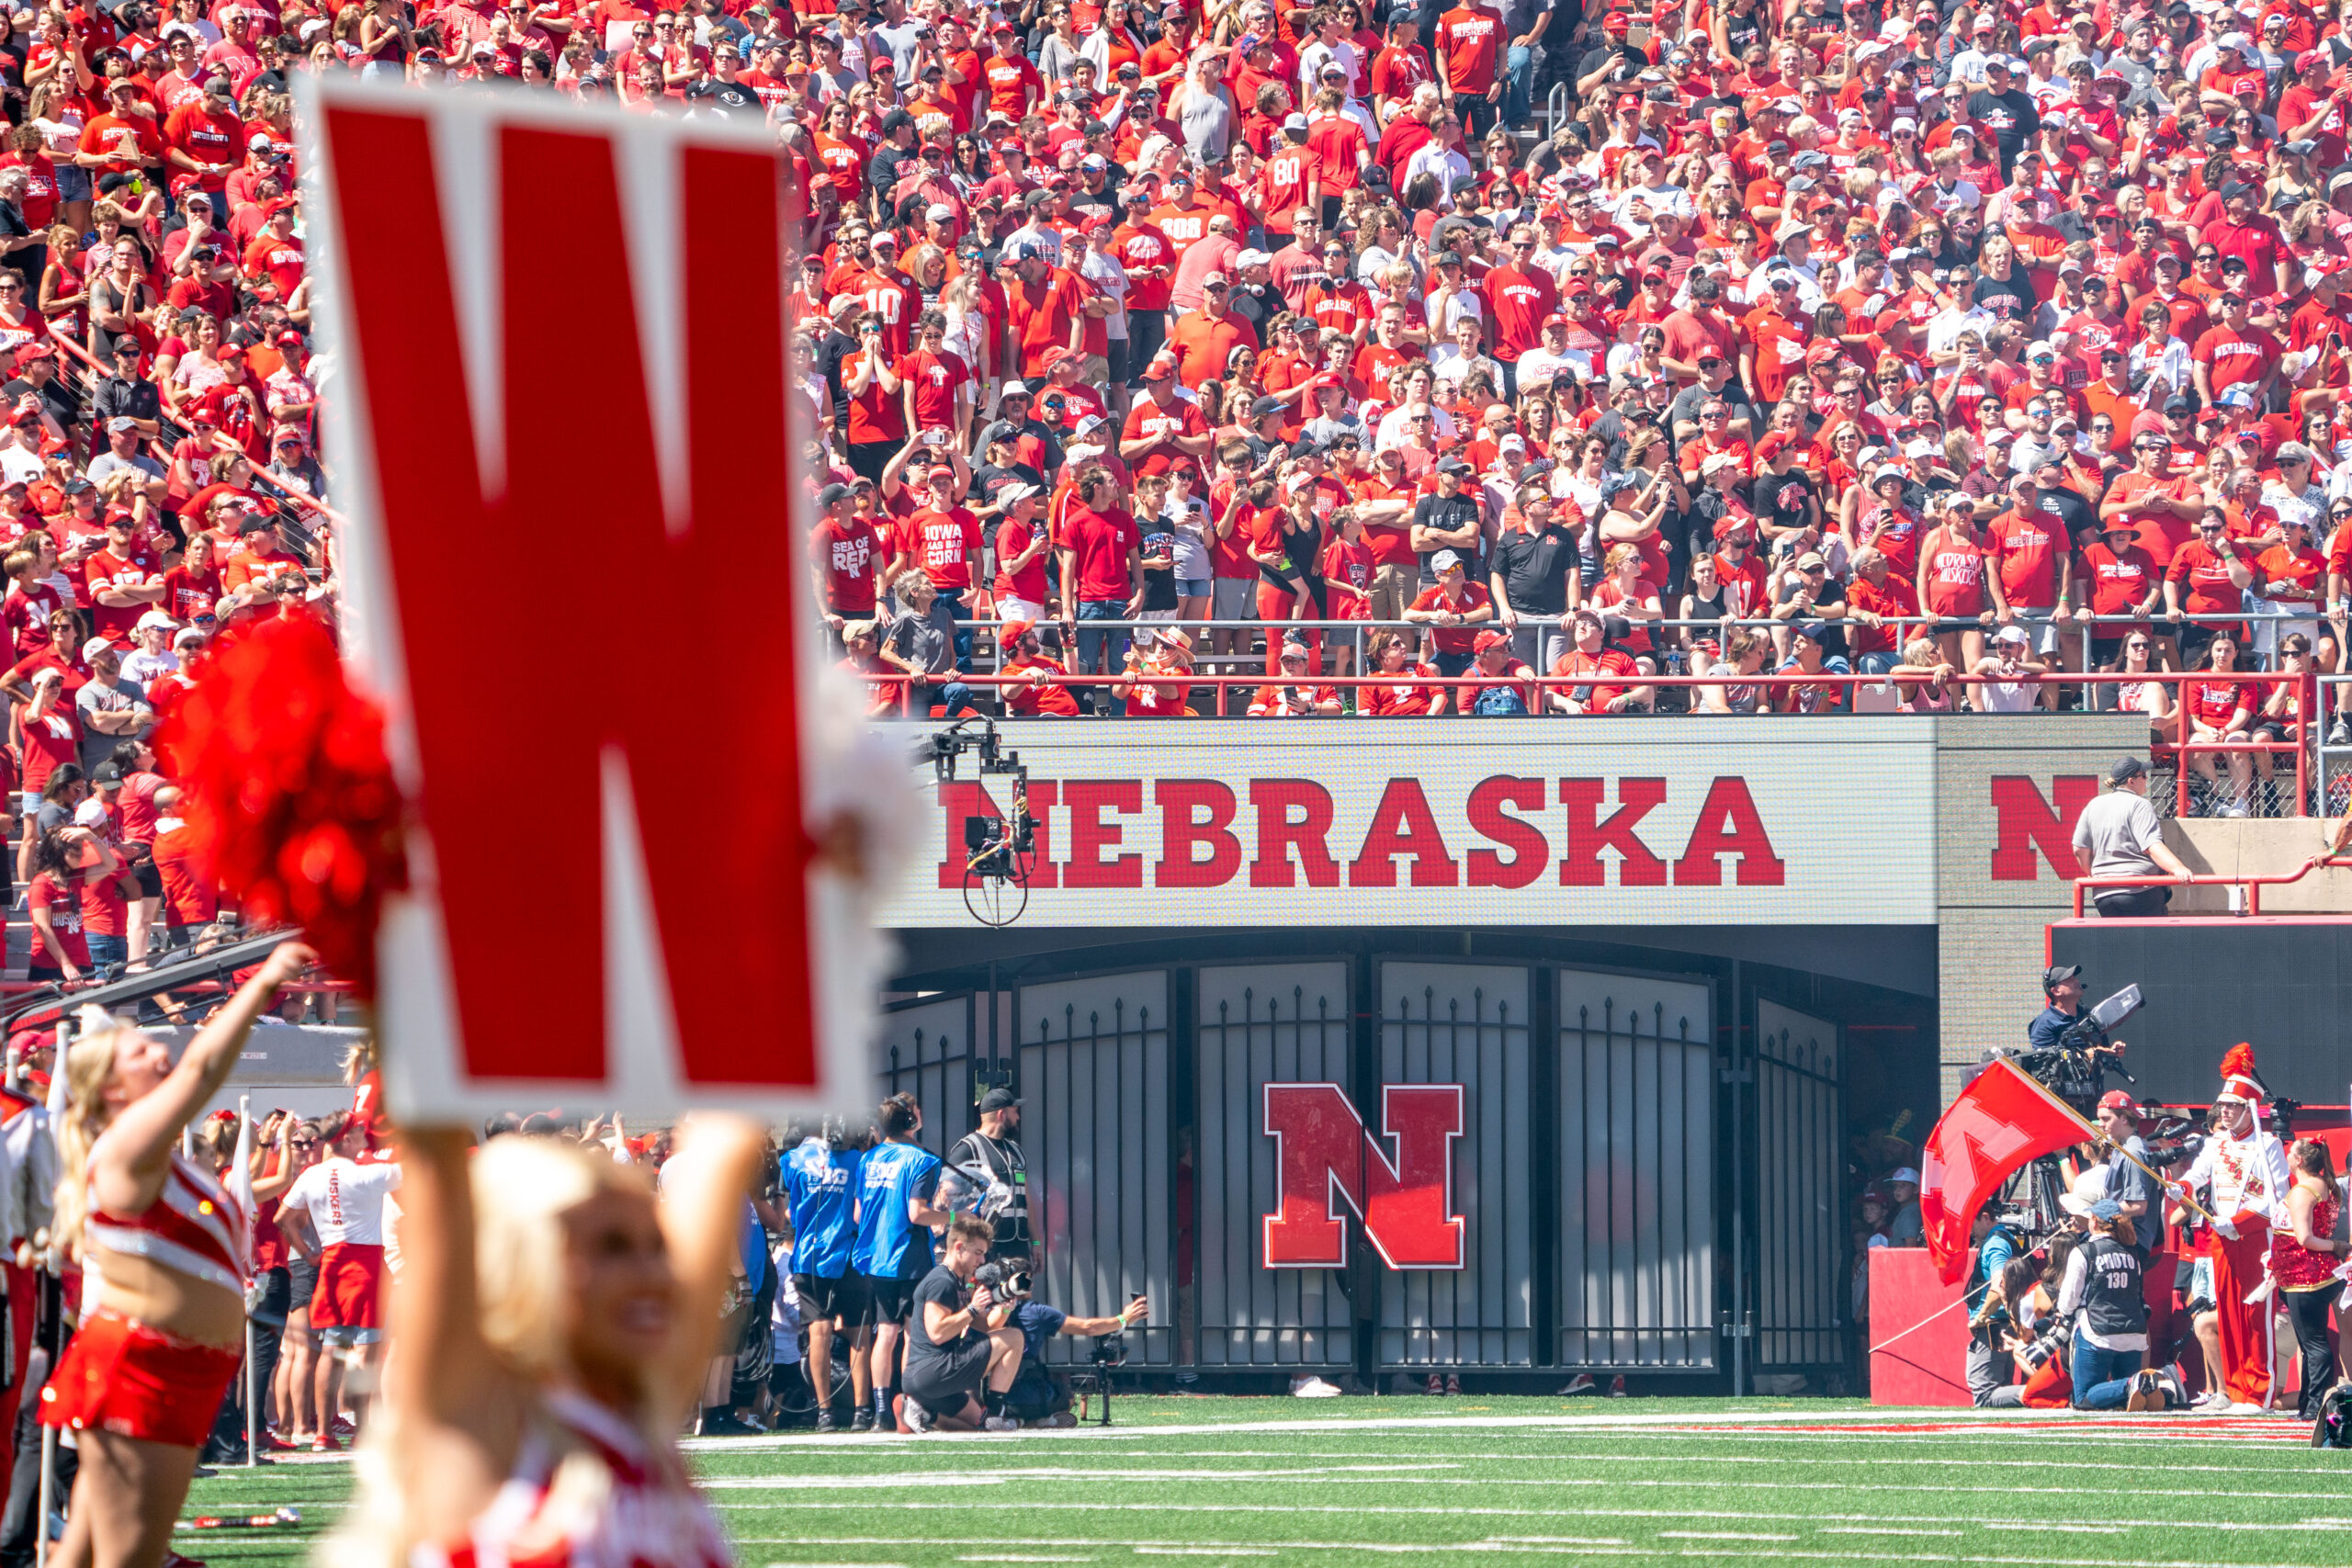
x: 1289, y: 1481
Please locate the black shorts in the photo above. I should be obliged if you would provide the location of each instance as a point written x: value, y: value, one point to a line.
x: 2274, y: 730
x: 151, y: 881
x: 302, y: 1282
x: 946, y: 1381
x: 887, y: 1299
x: 845, y: 1298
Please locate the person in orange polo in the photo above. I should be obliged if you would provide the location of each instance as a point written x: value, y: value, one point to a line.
x: 1204, y: 338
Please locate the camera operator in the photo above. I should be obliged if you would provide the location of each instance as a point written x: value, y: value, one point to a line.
x: 994, y: 1149
x: 1037, y: 1395
x: 954, y: 1357
x: 2062, y: 988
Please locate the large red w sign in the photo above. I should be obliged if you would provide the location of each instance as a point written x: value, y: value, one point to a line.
x: 564, y: 339
x: 1326, y: 1157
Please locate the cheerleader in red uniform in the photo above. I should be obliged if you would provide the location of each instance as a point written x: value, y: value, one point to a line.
x: 141, y: 1378
x: 550, y: 1327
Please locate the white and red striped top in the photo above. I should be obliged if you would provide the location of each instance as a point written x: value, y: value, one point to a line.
x: 638, y: 1513
x: 194, y: 1226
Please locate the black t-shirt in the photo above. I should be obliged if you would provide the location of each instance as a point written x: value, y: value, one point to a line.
x: 2079, y: 516
x: 989, y: 481
x: 1630, y: 63
x: 2010, y: 298
x: 940, y: 1285
x: 826, y: 356
x: 2011, y: 117
x: 1534, y: 567
x: 1686, y: 406
x: 1451, y: 513
x: 1159, y: 581
x: 1783, y: 498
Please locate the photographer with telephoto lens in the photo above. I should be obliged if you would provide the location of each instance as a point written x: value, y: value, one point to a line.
x: 954, y: 1354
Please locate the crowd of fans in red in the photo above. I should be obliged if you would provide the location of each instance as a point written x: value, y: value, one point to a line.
x: 1961, y: 346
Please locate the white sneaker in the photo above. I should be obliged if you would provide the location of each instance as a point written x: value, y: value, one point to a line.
x: 915, y: 1418
x: 1309, y: 1386
x: 2210, y: 1401
x: 1581, y: 1384
x: 2246, y: 1407
x: 1000, y: 1423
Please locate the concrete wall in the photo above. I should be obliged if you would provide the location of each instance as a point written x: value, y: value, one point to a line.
x: 2228, y: 847
x: 1997, y: 888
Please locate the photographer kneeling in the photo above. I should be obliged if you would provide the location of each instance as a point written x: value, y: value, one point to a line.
x: 954, y: 1358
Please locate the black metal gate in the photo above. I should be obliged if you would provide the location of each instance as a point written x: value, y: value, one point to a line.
x: 1636, y: 1159
x: 1604, y: 1169
x: 1466, y: 1024
x: 1253, y: 1025
x: 1093, y: 1074
x: 1802, y: 1247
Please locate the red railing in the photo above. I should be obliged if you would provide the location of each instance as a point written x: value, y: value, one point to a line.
x: 291, y: 489
x: 2090, y: 886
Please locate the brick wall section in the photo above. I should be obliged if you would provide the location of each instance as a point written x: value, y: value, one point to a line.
x: 1990, y: 933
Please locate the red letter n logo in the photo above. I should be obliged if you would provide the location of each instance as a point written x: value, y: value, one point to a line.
x: 2027, y: 824
x: 1326, y: 1157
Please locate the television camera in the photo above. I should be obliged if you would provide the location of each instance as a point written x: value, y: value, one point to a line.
x: 1000, y: 852
x: 2077, y: 1070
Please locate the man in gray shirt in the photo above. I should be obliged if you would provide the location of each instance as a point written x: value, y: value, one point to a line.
x: 112, y: 709
x: 2118, y: 835
x: 922, y: 643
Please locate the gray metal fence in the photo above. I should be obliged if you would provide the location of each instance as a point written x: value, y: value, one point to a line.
x: 1636, y: 1166
x: 925, y: 1050
x: 1253, y: 1025
x: 1466, y: 1024
x: 1092, y: 1061
x: 1802, y: 1245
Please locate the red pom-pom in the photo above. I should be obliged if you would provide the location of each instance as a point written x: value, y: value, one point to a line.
x: 289, y: 794
x: 2239, y: 1062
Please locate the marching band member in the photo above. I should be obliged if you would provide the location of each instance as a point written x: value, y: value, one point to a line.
x: 2246, y: 1166
x: 140, y: 1382
x: 553, y: 1325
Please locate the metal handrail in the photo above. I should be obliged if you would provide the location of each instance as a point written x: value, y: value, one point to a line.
x: 1545, y: 682
x: 2253, y: 884
x: 289, y: 493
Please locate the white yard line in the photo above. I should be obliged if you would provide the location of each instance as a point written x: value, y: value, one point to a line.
x: 1675, y: 1515
x: 1717, y: 1535
x: 1778, y: 1461
x: 1334, y: 1477
x: 1880, y: 1529
x: 1063, y: 1473
x: 1738, y: 1421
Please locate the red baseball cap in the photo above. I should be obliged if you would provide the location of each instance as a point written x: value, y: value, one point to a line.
x: 2116, y: 1099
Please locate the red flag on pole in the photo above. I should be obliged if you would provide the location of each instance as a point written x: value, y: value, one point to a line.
x: 1999, y: 1122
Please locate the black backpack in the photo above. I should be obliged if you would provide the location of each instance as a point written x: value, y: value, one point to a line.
x: 2333, y: 1428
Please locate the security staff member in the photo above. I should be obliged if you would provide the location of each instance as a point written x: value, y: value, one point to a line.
x: 2064, y: 989
x: 994, y: 1149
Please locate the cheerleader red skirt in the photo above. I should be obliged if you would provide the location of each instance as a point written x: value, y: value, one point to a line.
x: 133, y: 1380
